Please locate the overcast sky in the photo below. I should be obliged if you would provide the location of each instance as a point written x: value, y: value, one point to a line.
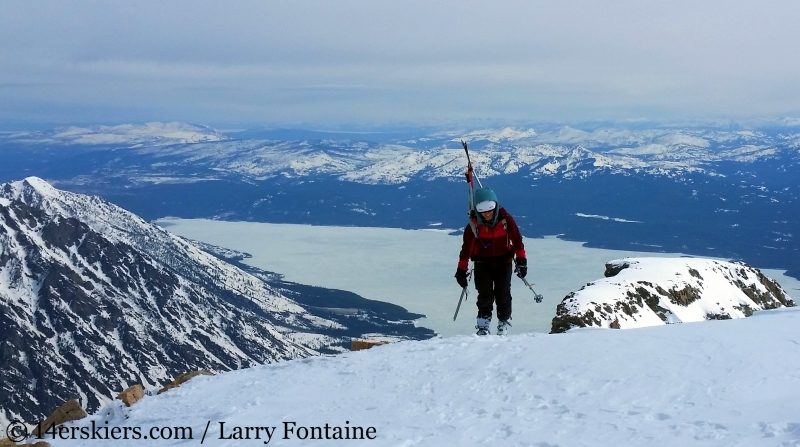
x: 370, y: 62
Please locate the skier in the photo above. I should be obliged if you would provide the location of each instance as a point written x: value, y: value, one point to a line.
x: 491, y: 240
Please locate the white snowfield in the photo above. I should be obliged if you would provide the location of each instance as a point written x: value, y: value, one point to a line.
x: 650, y: 291
x: 717, y: 383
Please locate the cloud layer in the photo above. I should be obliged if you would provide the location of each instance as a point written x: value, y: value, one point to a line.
x: 363, y: 61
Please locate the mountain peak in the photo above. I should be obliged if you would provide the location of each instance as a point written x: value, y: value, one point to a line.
x: 38, y: 185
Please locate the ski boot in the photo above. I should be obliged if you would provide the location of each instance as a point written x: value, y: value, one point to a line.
x: 503, y: 326
x: 483, y: 326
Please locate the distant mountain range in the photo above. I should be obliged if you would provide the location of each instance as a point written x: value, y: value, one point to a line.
x: 709, y: 191
x: 94, y: 299
x: 170, y: 153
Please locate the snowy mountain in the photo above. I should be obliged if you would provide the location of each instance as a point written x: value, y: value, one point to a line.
x: 94, y: 299
x: 639, y: 292
x: 719, y: 383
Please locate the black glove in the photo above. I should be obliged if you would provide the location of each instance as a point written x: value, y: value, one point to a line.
x: 461, y: 277
x: 522, y: 267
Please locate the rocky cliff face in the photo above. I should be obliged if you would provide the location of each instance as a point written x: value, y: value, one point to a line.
x: 640, y: 292
x: 94, y: 299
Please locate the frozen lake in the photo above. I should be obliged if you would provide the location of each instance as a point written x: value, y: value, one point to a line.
x: 412, y: 268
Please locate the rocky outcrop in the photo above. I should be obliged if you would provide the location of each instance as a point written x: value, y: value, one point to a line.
x: 183, y: 378
x: 359, y: 345
x: 131, y: 395
x: 641, y: 292
x: 70, y: 411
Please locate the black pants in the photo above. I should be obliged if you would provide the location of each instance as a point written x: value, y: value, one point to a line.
x: 493, y: 282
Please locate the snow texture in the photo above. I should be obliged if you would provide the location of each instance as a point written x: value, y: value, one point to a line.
x: 719, y: 383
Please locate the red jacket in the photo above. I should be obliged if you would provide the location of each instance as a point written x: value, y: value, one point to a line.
x: 499, y: 243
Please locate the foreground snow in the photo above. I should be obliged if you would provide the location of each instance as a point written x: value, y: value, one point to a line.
x: 723, y: 383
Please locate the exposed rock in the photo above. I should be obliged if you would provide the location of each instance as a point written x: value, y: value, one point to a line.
x: 183, y: 378
x: 745, y: 309
x: 652, y: 300
x: 358, y: 345
x: 6, y: 442
x: 684, y: 296
x: 612, y: 268
x: 564, y: 320
x: 131, y: 395
x: 70, y: 411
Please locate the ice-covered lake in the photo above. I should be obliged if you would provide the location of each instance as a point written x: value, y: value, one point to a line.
x: 412, y: 268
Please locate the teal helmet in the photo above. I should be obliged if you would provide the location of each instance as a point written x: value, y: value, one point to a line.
x: 486, y: 200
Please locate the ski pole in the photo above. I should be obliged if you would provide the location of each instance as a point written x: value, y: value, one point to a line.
x: 463, y: 297
x: 536, y: 297
x: 463, y: 293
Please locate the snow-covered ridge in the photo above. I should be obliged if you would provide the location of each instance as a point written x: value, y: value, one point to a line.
x: 155, y: 134
x: 639, y: 292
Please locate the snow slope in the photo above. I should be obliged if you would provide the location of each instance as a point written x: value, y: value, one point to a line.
x: 648, y: 291
x: 719, y: 383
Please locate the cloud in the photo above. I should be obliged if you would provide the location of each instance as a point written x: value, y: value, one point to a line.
x: 408, y: 60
